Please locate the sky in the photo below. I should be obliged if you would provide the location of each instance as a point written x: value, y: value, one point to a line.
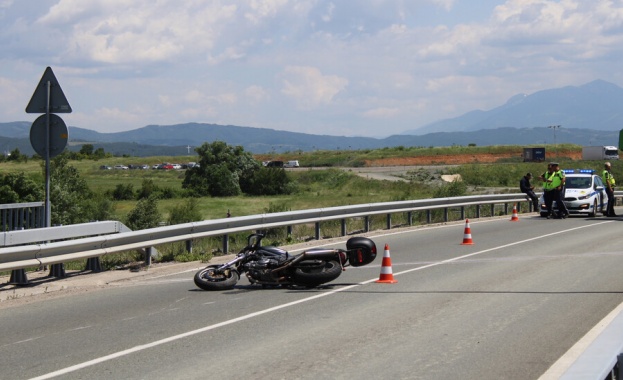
x: 369, y: 68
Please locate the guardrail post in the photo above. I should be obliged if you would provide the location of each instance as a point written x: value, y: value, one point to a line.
x: 343, y: 227
x: 93, y: 264
x: 225, y: 244
x: 505, y: 208
x: 462, y: 212
x: 366, y: 227
x: 189, y: 246
x: 445, y: 214
x: 317, y: 227
x: 389, y: 221
x: 148, y: 252
x: 18, y: 277
x: 477, y: 211
x: 289, y: 230
x: 492, y: 209
x: 410, y: 217
x: 429, y: 216
x: 57, y: 270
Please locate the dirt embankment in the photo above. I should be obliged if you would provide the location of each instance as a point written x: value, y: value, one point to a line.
x: 458, y: 159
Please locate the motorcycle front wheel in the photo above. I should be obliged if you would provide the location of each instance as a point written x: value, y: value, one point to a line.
x: 210, y: 279
x: 312, y: 274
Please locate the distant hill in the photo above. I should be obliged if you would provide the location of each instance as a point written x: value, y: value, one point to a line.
x: 595, y: 105
x: 588, y: 115
x: 153, y: 141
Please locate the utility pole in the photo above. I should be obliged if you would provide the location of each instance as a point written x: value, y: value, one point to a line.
x: 554, y: 127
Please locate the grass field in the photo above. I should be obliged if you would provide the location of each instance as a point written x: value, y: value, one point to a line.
x: 320, y: 188
x: 482, y: 169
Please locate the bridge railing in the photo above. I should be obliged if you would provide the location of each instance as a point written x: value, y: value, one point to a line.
x: 18, y: 216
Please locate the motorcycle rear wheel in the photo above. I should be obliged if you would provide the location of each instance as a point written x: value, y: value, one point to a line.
x: 209, y: 279
x: 316, y: 274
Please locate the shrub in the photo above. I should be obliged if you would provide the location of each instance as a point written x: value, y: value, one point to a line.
x: 144, y: 215
x: 185, y: 212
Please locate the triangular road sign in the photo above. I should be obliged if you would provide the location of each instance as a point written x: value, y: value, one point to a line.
x: 39, y: 100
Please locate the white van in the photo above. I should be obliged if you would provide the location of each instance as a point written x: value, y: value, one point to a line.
x: 291, y: 164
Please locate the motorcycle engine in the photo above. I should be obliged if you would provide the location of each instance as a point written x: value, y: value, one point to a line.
x: 269, y: 258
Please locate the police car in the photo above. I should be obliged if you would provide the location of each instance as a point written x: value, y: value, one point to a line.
x: 585, y: 193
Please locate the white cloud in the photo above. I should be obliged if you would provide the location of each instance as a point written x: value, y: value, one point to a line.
x: 300, y: 65
x: 381, y: 113
x: 309, y: 87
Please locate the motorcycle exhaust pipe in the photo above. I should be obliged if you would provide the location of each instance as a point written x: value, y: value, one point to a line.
x: 312, y: 254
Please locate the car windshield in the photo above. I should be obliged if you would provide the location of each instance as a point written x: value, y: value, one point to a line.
x: 578, y: 182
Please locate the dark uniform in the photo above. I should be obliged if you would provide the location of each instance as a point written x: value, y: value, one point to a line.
x: 610, y: 184
x: 526, y: 187
x: 548, y: 195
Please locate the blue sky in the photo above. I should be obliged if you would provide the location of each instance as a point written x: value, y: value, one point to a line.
x: 349, y: 68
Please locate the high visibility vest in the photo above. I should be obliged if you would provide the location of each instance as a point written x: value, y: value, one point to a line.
x: 608, y: 177
x: 556, y: 180
x: 550, y: 185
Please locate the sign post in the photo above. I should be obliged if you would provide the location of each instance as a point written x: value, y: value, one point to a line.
x: 48, y: 98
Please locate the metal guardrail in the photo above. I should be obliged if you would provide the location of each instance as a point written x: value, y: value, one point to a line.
x: 47, y: 252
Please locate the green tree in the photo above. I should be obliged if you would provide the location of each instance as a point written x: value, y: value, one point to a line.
x: 144, y: 215
x: 148, y: 188
x: 16, y: 155
x: 71, y: 199
x: 222, y: 170
x: 270, y: 181
x: 17, y: 188
x: 99, y: 153
x: 123, y: 192
x: 87, y: 150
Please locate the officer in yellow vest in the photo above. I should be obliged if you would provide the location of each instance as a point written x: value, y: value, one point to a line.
x: 548, y: 195
x: 610, y: 183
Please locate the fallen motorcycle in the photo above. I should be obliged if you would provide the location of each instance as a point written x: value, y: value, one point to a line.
x: 271, y: 266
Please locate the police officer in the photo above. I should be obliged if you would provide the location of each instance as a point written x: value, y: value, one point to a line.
x: 547, y: 189
x: 610, y: 184
x: 559, y: 196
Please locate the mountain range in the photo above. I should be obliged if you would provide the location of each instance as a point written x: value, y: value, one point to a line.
x: 585, y: 115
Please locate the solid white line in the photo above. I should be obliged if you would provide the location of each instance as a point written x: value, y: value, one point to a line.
x: 142, y: 347
x: 119, y: 354
x: 564, y: 362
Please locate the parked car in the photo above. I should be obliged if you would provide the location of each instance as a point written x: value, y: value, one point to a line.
x: 274, y: 164
x: 105, y: 167
x: 121, y: 167
x: 291, y: 164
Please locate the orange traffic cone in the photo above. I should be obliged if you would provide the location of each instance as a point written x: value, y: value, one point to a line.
x: 386, y: 269
x: 467, y: 236
x: 515, y: 217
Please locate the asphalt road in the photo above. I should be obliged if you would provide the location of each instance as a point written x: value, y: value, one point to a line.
x: 507, y: 307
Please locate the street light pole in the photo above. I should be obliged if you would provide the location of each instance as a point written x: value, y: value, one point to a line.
x: 554, y: 127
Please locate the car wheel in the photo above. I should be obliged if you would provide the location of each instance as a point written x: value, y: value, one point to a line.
x: 594, y: 213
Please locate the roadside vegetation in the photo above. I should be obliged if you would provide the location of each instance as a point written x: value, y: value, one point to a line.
x: 231, y: 182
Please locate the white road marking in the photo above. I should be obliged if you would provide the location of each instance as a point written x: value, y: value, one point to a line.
x: 160, y: 342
